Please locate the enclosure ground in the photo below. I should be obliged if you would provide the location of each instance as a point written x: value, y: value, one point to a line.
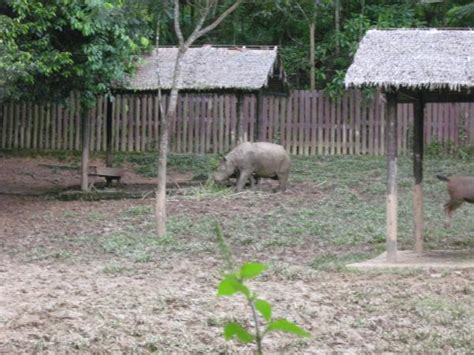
x: 91, y: 276
x: 435, y: 259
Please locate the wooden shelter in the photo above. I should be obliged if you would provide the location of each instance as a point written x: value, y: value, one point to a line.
x: 417, y: 66
x: 209, y: 69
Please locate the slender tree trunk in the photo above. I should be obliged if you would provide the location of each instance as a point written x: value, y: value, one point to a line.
x: 312, y: 27
x: 160, y: 211
x: 337, y: 24
x: 160, y: 207
x: 85, y: 148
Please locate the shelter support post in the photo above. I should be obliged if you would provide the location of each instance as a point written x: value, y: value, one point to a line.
x: 392, y: 198
x: 109, y: 156
x: 418, y: 134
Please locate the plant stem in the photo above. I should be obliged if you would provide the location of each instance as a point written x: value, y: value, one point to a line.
x: 258, y: 337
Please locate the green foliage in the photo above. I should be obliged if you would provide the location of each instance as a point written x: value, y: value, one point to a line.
x: 233, y: 283
x: 66, y: 46
x: 286, y: 23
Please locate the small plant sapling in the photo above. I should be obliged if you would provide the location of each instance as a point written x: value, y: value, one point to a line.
x: 234, y: 283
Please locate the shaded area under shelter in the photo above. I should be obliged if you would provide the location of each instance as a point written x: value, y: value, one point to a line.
x: 416, y: 66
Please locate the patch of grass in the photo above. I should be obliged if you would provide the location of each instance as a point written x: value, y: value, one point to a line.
x: 41, y: 253
x: 61, y: 155
x: 201, y: 166
x: 137, y: 211
x: 115, y: 268
x: 96, y: 216
x: 441, y: 311
x: 139, y: 248
x: 207, y: 190
x: 334, y: 262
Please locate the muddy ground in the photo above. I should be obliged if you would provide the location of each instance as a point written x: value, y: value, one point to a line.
x: 82, y: 276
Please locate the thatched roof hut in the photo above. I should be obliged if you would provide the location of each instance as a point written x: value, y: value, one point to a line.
x: 211, y: 68
x: 418, y: 66
x: 414, y: 59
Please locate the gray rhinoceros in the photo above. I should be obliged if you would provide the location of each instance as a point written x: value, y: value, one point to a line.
x: 253, y: 161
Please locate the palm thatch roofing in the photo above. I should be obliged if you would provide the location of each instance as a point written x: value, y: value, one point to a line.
x: 209, y: 68
x: 414, y: 59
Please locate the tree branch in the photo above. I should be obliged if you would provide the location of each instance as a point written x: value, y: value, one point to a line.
x: 177, y: 26
x: 213, y: 25
x: 200, y: 23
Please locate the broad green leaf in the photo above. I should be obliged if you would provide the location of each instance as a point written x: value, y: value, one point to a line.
x: 264, y: 308
x: 231, y: 285
x: 251, y: 270
x: 284, y: 325
x: 144, y: 41
x: 232, y: 330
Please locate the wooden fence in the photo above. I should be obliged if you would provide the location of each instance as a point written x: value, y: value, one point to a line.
x: 306, y: 123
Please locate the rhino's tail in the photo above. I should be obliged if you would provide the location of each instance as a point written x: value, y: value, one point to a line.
x: 442, y: 178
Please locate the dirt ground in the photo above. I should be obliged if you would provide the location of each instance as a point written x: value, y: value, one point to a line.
x: 37, y: 176
x: 70, y: 283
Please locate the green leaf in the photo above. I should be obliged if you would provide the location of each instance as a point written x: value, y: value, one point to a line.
x: 232, y: 330
x: 231, y: 285
x: 251, y: 270
x: 145, y: 42
x: 286, y: 326
x: 264, y: 308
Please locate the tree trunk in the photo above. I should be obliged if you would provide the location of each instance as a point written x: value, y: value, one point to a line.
x: 160, y: 211
x: 160, y: 206
x: 312, y: 27
x: 337, y: 20
x: 85, y: 148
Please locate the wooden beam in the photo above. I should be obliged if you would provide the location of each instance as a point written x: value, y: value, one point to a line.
x: 418, y: 133
x: 392, y: 194
x: 407, y: 96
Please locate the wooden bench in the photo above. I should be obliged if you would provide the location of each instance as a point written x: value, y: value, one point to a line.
x: 109, y: 173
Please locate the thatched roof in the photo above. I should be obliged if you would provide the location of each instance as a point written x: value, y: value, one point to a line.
x: 414, y: 59
x: 209, y: 68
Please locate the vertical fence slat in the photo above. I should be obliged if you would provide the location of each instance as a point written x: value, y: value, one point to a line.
x: 97, y: 122
x: 295, y: 122
x: 307, y: 128
x: 289, y: 122
x: 319, y: 122
x: 5, y: 107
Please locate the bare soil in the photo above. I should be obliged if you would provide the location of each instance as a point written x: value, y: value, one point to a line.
x: 31, y: 176
x: 64, y: 287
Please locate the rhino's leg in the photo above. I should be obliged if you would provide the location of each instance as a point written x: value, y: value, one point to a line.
x: 283, y: 180
x: 243, y: 178
x: 253, y: 181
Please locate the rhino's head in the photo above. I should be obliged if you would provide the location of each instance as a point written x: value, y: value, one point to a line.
x: 225, y: 170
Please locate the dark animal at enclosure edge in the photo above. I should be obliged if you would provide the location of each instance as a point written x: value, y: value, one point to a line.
x: 460, y: 189
x: 252, y: 161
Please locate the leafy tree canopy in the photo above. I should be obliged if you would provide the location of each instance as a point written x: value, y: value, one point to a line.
x: 285, y: 23
x: 50, y: 48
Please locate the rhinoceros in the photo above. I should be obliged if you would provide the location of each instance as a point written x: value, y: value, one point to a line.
x: 252, y: 161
